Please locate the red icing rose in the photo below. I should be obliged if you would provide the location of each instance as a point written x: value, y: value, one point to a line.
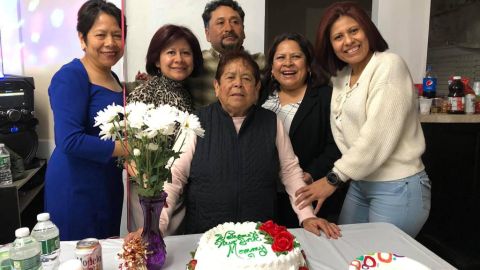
x: 303, y: 268
x: 267, y: 226
x: 283, y: 241
x: 271, y: 228
x: 277, y: 229
x: 192, y: 264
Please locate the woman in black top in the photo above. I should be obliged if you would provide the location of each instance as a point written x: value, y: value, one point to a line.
x: 297, y: 91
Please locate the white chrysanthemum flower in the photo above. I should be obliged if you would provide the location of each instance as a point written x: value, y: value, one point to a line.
x: 136, y: 152
x: 108, y: 114
x: 136, y: 112
x: 141, y: 134
x: 135, y: 119
x: 161, y: 120
x: 152, y: 147
x: 138, y: 107
x: 191, y: 123
x: 107, y: 132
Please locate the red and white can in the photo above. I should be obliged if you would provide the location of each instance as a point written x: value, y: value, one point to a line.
x: 89, y: 252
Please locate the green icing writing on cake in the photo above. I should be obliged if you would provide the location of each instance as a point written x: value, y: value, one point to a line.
x: 235, y: 241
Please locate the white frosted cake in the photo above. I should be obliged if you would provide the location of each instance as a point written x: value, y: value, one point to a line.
x: 248, y: 245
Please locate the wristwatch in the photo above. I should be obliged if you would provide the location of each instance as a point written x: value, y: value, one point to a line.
x: 333, y: 179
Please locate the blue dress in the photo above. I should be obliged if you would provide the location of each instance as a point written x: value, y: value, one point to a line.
x: 83, y: 190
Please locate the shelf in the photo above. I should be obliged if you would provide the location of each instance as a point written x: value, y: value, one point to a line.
x: 26, y: 198
x: 17, y: 199
x: 450, y: 118
x: 28, y: 175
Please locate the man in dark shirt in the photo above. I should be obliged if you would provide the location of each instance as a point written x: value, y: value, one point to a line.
x: 224, y: 29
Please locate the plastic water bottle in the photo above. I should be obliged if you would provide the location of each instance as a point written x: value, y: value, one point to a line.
x: 47, y: 234
x: 5, y: 173
x: 25, y: 251
x: 5, y: 262
x: 429, y: 83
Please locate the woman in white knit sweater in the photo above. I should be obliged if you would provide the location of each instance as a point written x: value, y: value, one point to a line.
x: 375, y: 124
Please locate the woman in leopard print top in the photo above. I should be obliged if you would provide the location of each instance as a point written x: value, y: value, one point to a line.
x: 173, y: 55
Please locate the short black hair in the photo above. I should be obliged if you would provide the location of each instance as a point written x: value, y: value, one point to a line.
x: 213, y: 5
x: 89, y: 12
x: 231, y: 56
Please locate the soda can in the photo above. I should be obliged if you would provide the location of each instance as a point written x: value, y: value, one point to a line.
x: 89, y: 252
x: 470, y: 104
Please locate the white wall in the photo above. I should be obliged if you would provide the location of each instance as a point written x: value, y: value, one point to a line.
x: 143, y: 23
x: 404, y: 25
x: 10, y: 44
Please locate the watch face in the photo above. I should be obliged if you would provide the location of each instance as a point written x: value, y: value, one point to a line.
x: 332, y: 179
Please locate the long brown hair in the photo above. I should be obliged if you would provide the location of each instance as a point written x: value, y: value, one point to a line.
x: 323, y: 46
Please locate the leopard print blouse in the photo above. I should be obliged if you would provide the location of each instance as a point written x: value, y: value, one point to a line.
x: 160, y: 90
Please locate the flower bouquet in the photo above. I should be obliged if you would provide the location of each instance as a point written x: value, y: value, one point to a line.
x: 153, y: 137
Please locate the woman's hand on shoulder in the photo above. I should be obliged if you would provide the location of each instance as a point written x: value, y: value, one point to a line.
x: 315, y: 225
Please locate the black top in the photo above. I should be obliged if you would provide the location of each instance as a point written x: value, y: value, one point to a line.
x: 311, y: 134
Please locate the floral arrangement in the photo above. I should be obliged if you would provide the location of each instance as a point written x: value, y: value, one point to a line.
x: 154, y: 137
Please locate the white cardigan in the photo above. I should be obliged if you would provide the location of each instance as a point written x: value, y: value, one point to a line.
x: 375, y: 123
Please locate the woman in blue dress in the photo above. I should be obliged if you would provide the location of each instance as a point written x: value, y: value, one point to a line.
x: 84, y: 190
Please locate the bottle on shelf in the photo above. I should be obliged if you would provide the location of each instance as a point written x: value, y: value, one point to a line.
x: 476, y: 89
x: 429, y: 83
x: 25, y: 251
x: 456, y: 96
x: 5, y: 173
x: 47, y: 234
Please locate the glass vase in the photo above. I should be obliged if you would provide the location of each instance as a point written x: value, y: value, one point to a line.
x: 151, y: 235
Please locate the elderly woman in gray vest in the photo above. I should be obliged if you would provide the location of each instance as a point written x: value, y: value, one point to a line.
x: 230, y: 174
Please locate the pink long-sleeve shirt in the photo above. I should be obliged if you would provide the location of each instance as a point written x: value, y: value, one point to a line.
x: 291, y: 176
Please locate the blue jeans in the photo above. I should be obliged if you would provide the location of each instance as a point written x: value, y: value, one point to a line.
x: 404, y: 202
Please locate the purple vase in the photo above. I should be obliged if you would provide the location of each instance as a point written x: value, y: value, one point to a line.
x: 152, y: 207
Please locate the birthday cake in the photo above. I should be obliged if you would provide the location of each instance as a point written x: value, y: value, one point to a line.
x: 248, y: 245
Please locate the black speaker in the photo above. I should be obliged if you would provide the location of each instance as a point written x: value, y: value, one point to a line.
x: 24, y: 143
x: 16, y: 99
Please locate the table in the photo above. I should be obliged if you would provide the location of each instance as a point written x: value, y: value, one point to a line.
x: 322, y: 253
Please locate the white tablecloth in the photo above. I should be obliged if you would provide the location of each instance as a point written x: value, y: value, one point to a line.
x: 322, y: 253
